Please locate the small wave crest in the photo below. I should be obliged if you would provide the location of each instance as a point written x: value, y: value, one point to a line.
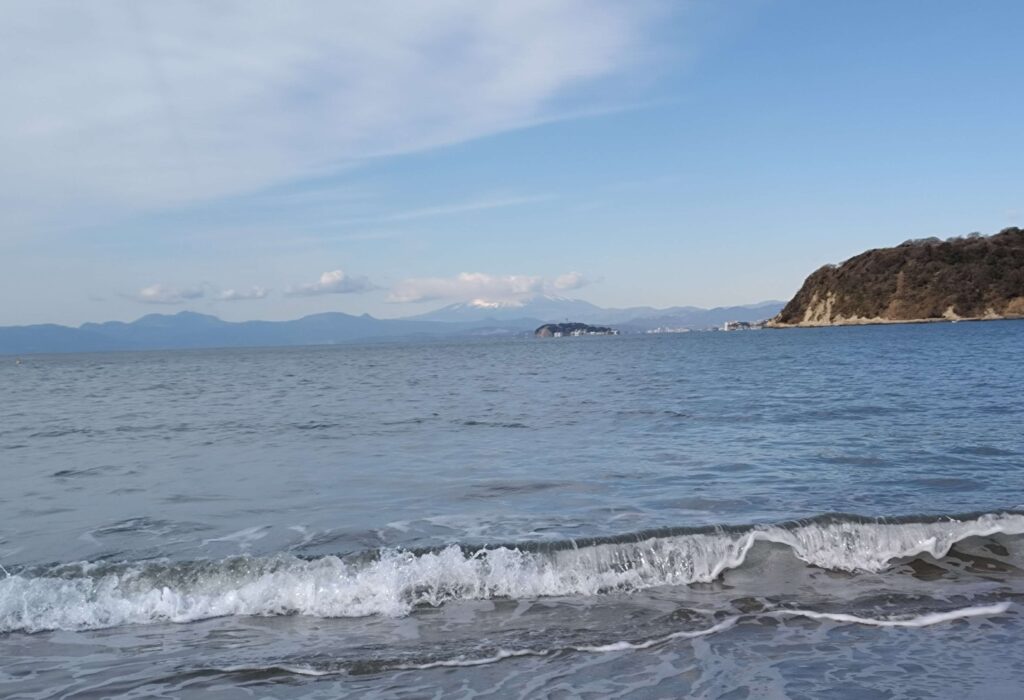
x: 393, y: 582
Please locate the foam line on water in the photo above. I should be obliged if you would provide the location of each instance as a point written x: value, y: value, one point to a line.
x: 925, y: 620
x: 285, y: 668
x: 503, y: 654
x: 461, y: 662
x: 626, y: 646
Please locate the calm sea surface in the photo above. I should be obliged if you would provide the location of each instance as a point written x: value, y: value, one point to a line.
x: 805, y: 513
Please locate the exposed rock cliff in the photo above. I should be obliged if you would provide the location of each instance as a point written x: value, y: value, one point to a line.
x: 974, y: 277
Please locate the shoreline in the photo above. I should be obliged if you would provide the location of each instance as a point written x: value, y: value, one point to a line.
x: 858, y: 321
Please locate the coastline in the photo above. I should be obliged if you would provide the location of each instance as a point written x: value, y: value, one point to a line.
x: 878, y: 321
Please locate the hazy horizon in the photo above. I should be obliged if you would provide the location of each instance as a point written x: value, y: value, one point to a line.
x: 173, y: 310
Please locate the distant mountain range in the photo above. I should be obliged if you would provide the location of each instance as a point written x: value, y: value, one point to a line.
x: 554, y: 309
x: 188, y: 329
x: 193, y: 330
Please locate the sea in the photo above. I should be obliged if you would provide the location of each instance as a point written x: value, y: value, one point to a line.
x: 805, y: 513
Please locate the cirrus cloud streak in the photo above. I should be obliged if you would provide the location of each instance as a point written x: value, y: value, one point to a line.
x: 122, y: 107
x: 162, y: 294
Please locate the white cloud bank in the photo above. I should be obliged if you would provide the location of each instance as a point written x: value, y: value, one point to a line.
x: 333, y: 282
x: 482, y: 287
x: 115, y: 107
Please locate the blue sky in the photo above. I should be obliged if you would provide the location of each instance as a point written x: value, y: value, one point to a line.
x: 270, y: 160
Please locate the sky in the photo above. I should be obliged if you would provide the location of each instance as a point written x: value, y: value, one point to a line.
x: 257, y: 159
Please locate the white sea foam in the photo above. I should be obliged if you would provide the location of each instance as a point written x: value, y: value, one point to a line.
x: 917, y: 621
x: 96, y: 596
x: 502, y: 654
x: 287, y: 668
x: 499, y: 655
x: 691, y: 634
x: 462, y: 661
x: 925, y: 620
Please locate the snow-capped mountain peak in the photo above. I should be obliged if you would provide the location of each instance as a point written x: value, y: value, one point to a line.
x: 487, y: 304
x: 542, y: 307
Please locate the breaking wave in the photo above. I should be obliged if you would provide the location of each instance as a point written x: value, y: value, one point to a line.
x: 393, y: 582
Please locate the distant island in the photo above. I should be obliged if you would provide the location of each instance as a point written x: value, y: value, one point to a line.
x: 972, y: 277
x: 558, y: 330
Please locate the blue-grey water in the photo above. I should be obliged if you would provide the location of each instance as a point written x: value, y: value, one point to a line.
x: 804, y: 513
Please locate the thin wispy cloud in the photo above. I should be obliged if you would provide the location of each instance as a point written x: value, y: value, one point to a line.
x: 333, y: 282
x: 481, y: 286
x: 452, y: 209
x: 169, y: 295
x: 570, y: 281
x: 161, y: 294
x: 242, y: 294
x: 264, y: 222
x: 136, y: 106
